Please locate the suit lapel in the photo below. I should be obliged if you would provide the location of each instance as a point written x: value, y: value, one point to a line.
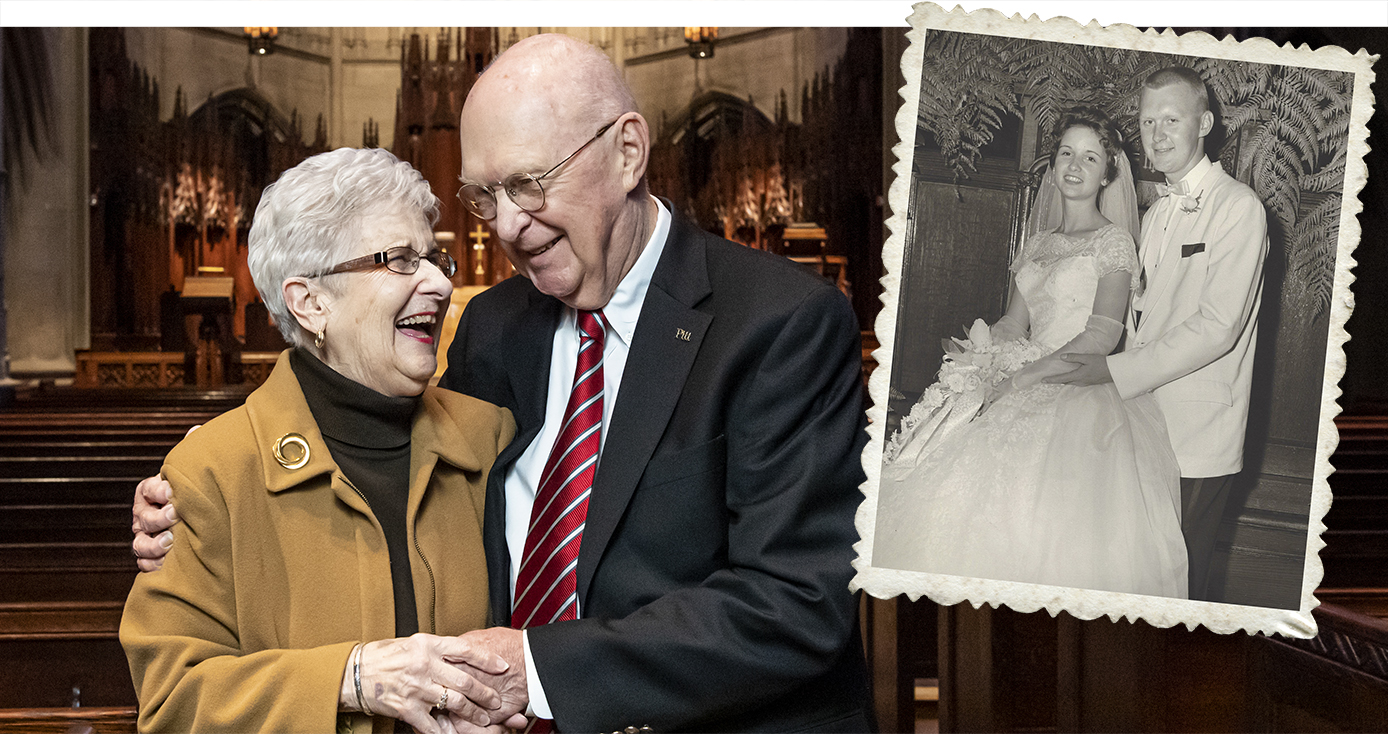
x: 1151, y: 240
x: 1184, y: 226
x: 657, y: 365
x: 528, y: 359
x: 528, y: 356
x: 1166, y: 257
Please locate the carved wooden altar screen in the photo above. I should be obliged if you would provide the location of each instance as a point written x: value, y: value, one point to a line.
x: 174, y: 198
x: 740, y: 174
x: 432, y: 92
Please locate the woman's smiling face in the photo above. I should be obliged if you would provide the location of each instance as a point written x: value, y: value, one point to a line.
x: 1080, y: 163
x: 382, y: 327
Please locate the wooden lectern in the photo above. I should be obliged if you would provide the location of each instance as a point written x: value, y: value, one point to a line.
x: 214, y: 353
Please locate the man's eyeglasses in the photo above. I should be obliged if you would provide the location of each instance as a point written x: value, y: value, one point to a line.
x: 523, y: 188
x: 402, y: 260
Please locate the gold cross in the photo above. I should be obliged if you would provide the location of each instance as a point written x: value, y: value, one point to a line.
x: 479, y: 236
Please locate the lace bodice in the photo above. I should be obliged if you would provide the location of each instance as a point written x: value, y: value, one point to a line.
x: 1058, y: 274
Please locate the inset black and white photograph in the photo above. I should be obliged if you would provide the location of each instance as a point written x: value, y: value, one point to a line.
x: 1118, y: 279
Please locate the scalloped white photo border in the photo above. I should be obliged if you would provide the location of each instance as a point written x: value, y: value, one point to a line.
x: 1086, y: 603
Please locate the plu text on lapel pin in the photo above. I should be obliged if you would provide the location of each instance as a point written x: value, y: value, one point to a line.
x: 683, y: 335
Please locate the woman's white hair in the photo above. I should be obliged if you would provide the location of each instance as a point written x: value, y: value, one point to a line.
x: 310, y: 219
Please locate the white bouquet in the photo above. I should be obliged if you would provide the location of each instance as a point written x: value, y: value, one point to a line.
x: 970, y: 368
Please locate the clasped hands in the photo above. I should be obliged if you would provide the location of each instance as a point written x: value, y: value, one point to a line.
x: 1089, y: 369
x: 441, y: 685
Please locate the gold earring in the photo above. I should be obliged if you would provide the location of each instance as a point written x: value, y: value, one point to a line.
x: 318, y: 339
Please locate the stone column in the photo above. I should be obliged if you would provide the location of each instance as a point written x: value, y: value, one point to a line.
x: 45, y: 250
x: 6, y: 382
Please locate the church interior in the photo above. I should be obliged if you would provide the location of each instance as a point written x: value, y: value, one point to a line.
x: 135, y: 157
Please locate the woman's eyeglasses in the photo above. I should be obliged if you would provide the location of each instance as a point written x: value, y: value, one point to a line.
x: 402, y: 260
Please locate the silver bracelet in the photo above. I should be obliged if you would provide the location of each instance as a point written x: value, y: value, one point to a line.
x: 356, y: 679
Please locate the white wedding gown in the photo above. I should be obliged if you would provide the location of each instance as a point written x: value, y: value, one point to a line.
x: 1053, y: 484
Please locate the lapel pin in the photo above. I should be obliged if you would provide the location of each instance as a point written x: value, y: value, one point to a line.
x: 682, y: 335
x: 291, y: 451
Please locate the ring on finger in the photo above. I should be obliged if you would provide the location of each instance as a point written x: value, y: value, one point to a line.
x: 443, y: 699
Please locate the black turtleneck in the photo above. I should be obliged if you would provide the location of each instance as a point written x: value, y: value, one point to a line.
x: 368, y: 435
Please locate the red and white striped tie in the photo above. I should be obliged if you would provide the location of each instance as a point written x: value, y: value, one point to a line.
x: 546, y: 586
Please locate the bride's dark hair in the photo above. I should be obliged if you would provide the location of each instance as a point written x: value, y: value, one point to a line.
x: 1095, y: 120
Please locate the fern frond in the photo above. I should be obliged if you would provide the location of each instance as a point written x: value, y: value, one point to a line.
x: 1329, y: 178
x: 1334, y: 87
x: 964, y: 91
x: 1234, y: 83
x: 1301, y: 117
x: 1312, y: 247
x: 1298, y: 132
x: 1236, y: 117
x: 1063, y: 80
x: 1324, y: 219
x: 1276, y: 174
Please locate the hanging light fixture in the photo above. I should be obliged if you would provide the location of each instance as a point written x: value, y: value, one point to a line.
x: 701, y: 40
x: 261, y: 41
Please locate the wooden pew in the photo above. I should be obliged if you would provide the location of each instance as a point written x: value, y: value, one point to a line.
x: 68, y: 466
x: 69, y: 462
x: 1337, y: 681
x: 1356, y: 536
x: 1005, y: 671
x: 84, y: 720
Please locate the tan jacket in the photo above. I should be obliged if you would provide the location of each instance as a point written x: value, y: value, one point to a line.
x: 275, y: 574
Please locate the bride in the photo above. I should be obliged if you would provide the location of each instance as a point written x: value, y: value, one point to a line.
x: 999, y: 475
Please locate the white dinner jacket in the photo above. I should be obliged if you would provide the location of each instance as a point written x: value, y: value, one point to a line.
x: 1193, y: 346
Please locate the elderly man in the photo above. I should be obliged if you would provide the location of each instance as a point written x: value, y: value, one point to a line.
x: 708, y: 590
x: 672, y: 526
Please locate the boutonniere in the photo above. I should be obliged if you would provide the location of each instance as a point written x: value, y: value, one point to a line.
x: 1191, y: 204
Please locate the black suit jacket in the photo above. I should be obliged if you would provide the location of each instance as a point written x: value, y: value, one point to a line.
x: 714, y: 568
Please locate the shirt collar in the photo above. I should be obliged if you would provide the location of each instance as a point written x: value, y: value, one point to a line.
x: 1195, y: 175
x: 624, y: 308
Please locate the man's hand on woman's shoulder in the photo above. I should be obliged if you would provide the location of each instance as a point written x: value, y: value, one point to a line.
x: 152, y: 517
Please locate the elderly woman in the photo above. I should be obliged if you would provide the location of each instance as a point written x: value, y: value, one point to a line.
x: 332, y: 526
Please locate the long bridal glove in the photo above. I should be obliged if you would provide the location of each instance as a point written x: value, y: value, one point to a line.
x: 1008, y: 329
x: 1100, y: 336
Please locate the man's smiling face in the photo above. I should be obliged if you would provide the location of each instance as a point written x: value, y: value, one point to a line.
x: 1174, y: 124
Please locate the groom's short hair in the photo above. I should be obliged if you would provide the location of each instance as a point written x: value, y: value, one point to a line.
x: 1162, y: 78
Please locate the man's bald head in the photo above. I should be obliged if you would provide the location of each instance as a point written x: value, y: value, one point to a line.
x: 572, y: 78
x: 554, y: 110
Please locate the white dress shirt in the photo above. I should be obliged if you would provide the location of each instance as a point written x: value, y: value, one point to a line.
x: 1192, y: 179
x: 1154, y: 242
x: 523, y: 478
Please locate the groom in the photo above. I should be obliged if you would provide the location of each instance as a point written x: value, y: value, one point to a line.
x: 1193, y: 325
